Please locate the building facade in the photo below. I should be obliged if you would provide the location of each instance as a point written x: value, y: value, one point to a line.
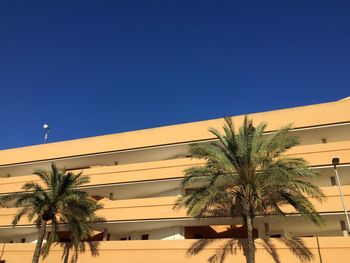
x: 136, y: 176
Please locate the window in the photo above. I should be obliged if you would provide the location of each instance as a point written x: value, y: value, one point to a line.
x: 23, y: 240
x: 108, y: 236
x: 333, y: 182
x: 123, y: 238
x: 144, y: 237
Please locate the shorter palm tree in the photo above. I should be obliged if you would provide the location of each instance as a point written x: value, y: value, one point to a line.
x: 57, y: 202
x: 247, y: 174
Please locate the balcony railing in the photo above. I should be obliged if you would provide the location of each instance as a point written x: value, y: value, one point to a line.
x: 104, y: 175
x: 322, y: 249
x: 162, y: 208
x: 316, y: 155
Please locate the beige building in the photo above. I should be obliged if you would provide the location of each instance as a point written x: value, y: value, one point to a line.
x: 136, y: 175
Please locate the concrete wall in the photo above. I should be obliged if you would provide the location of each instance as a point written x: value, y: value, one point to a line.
x: 324, y: 250
x: 162, y: 208
x: 307, y: 116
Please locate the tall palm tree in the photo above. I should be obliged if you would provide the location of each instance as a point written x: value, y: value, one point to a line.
x: 246, y: 174
x: 56, y: 202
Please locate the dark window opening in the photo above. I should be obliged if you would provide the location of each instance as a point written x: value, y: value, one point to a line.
x: 144, y: 237
x: 333, y: 182
x: 198, y: 236
x: 217, y: 231
x: 276, y: 235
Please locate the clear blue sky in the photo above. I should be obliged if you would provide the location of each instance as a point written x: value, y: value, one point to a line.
x: 97, y: 67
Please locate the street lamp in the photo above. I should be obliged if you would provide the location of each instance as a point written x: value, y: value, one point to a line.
x: 47, y: 130
x: 335, y: 162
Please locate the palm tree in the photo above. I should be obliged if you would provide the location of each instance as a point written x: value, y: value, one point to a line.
x: 56, y: 202
x: 246, y: 174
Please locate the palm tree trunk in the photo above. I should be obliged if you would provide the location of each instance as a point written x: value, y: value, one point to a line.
x: 41, y: 234
x: 251, y: 246
x: 66, y: 252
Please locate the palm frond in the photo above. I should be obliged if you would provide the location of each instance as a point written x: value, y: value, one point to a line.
x: 248, y: 173
x: 56, y: 200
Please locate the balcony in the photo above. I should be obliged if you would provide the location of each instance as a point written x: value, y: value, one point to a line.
x: 104, y: 175
x: 162, y: 208
x: 324, y: 249
x: 120, y: 210
x: 316, y: 155
x: 322, y: 154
